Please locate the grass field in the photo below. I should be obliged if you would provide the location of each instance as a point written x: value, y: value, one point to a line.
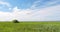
x: 30, y: 27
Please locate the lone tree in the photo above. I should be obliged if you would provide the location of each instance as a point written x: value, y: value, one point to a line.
x: 15, y: 21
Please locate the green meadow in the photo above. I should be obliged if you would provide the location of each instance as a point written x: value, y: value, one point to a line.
x: 30, y: 27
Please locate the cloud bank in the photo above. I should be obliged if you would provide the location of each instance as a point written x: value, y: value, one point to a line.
x: 50, y: 13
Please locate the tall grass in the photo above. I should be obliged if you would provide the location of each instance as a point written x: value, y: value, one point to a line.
x: 30, y: 27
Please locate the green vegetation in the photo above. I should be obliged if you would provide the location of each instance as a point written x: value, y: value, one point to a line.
x: 30, y: 27
x: 15, y: 21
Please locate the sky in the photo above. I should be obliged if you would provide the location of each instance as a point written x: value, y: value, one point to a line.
x: 30, y: 10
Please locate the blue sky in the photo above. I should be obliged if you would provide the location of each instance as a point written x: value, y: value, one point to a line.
x: 30, y: 10
x: 22, y: 4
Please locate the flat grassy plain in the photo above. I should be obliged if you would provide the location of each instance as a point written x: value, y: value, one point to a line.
x: 30, y: 27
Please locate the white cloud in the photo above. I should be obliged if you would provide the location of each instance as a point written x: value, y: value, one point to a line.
x: 5, y: 3
x: 45, y: 14
x: 15, y: 14
x: 21, y: 14
x: 6, y: 16
x: 10, y: 8
x: 49, y: 13
x: 44, y: 3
